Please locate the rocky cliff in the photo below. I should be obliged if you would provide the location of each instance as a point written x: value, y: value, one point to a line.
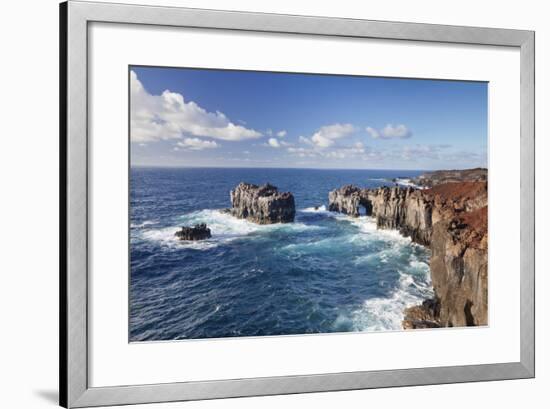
x: 407, y: 210
x: 459, y: 268
x: 450, y: 219
x: 262, y: 204
x: 411, y: 211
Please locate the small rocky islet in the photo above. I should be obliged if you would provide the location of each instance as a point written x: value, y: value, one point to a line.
x: 194, y: 233
x: 448, y: 215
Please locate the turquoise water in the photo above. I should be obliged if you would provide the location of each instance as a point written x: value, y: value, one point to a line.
x: 325, y: 272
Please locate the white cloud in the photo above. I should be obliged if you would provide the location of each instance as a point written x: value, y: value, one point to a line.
x: 321, y: 143
x: 373, y: 132
x: 390, y: 132
x: 277, y: 143
x: 326, y: 135
x: 170, y: 116
x: 281, y: 134
x: 415, y: 152
x: 196, y: 144
x: 303, y: 139
x: 356, y: 150
x: 302, y: 151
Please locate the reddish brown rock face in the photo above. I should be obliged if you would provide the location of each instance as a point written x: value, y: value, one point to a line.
x: 459, y: 268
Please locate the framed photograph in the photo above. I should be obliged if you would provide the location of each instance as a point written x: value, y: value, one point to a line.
x: 258, y: 204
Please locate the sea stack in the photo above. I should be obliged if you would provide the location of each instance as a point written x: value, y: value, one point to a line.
x: 262, y: 204
x: 348, y: 199
x: 197, y: 232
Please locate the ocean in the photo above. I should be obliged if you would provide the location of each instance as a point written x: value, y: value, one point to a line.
x: 324, y: 273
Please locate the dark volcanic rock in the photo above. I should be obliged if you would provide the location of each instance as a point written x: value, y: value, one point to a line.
x: 262, y: 204
x: 405, y: 209
x: 345, y: 200
x: 197, y: 232
x: 425, y: 315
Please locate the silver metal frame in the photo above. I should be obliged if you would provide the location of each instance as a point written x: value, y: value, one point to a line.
x: 74, y: 388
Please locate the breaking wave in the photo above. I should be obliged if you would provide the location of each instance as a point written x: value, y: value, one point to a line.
x: 386, y: 313
x: 142, y: 224
x: 224, y: 228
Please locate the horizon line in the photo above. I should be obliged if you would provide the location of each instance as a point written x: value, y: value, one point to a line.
x: 290, y: 167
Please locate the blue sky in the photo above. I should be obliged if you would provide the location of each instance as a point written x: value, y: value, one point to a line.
x: 195, y: 117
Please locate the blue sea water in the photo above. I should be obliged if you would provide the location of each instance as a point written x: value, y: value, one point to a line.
x: 323, y: 273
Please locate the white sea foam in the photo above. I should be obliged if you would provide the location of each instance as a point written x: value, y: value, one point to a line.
x: 382, y: 256
x: 419, y: 265
x: 367, y: 224
x: 408, y: 183
x: 223, y: 226
x: 167, y: 237
x: 330, y: 242
x: 386, y: 313
x: 322, y: 211
x: 405, y: 182
x: 319, y: 209
x: 143, y: 224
